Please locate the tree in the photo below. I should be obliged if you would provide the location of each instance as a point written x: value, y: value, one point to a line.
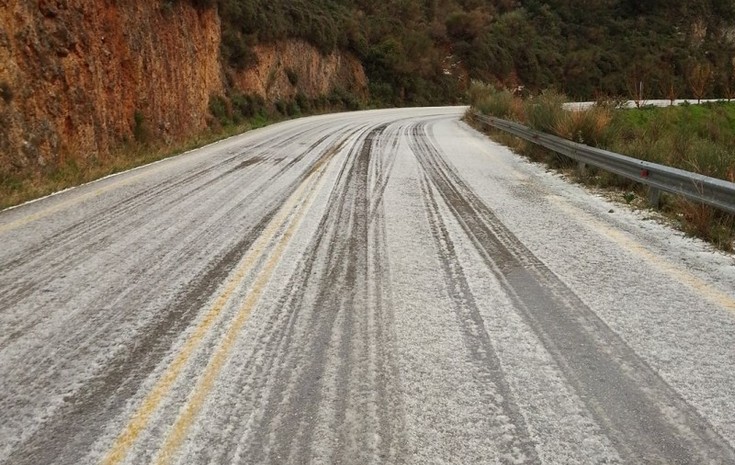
x: 668, y: 85
x: 699, y: 77
x: 636, y: 83
x: 729, y: 80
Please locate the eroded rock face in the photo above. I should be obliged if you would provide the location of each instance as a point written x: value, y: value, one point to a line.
x: 78, y: 78
x: 288, y: 68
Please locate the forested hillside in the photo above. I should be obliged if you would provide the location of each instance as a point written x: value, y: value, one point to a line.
x: 425, y: 51
x: 87, y: 86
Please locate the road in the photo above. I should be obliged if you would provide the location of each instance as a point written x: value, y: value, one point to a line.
x: 385, y: 287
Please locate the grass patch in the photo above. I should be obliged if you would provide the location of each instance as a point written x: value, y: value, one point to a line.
x: 19, y: 187
x: 229, y: 115
x: 699, y: 138
x: 696, y: 138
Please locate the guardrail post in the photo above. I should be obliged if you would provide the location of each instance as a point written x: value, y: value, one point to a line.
x: 582, y: 168
x: 654, y: 197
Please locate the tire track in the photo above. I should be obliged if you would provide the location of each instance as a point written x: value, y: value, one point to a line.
x: 275, y: 341
x: 384, y: 163
x: 112, y: 214
x: 74, y: 427
x: 511, y: 436
x: 126, y: 216
x: 218, y: 358
x: 74, y: 251
x: 308, y: 383
x: 339, y: 328
x: 643, y: 416
x: 86, y: 232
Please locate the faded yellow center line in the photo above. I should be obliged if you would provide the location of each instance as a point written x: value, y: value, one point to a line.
x: 196, y: 400
x: 142, y: 415
x: 141, y: 418
x: 705, y: 289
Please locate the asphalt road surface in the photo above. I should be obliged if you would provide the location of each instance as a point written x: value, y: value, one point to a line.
x: 384, y: 287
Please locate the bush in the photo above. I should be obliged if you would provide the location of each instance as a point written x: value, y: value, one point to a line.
x: 303, y: 102
x: 546, y: 111
x: 6, y: 92
x: 707, y: 223
x: 246, y: 106
x: 339, y: 97
x: 477, y: 91
x: 220, y: 109
x: 236, y: 51
x: 590, y: 126
x: 293, y: 77
x: 497, y: 104
x: 140, y: 128
x: 281, y: 106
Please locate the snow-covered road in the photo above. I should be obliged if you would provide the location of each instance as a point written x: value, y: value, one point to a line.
x: 376, y: 287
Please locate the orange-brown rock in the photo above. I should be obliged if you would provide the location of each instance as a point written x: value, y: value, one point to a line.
x: 288, y: 68
x: 79, y: 77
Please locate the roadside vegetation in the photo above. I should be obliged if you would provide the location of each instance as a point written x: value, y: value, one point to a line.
x: 421, y: 52
x: 697, y: 138
x: 20, y: 187
x: 426, y: 52
x: 229, y: 116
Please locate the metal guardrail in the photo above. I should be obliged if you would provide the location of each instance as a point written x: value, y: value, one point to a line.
x: 703, y: 189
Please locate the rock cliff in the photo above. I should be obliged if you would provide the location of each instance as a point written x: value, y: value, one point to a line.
x: 80, y: 78
x: 288, y: 68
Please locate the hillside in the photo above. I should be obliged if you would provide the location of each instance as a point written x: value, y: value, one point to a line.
x: 82, y: 80
x: 86, y: 85
x: 423, y: 51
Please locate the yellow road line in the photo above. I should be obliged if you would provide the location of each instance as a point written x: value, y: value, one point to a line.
x: 141, y: 417
x: 189, y: 411
x: 705, y: 289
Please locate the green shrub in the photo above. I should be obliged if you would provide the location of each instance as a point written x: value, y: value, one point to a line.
x: 141, y: 131
x: 281, y: 106
x: 293, y: 77
x: 303, y: 102
x: 292, y: 108
x: 478, y: 91
x: 589, y: 126
x: 6, y: 92
x: 236, y: 51
x: 246, y: 106
x: 220, y: 109
x: 497, y: 104
x: 546, y: 111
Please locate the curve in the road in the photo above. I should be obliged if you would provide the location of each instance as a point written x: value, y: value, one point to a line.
x: 360, y: 288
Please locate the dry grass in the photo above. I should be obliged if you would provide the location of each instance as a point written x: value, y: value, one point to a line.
x: 590, y: 127
x: 706, y: 222
x: 71, y: 170
x: 700, y: 139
